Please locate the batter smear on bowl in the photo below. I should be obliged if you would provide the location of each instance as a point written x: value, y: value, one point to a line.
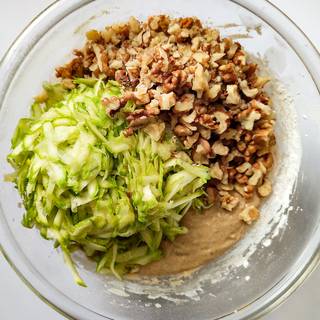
x: 180, y: 102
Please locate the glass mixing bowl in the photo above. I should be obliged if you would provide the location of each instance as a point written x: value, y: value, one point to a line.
x: 279, y: 251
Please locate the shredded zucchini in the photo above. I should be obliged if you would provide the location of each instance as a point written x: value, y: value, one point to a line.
x: 85, y: 184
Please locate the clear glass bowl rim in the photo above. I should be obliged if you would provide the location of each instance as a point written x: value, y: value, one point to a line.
x: 280, y: 22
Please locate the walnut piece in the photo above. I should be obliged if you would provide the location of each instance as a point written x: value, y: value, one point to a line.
x: 248, y: 122
x: 233, y: 96
x: 228, y: 201
x: 182, y: 131
x: 185, y: 103
x: 189, y: 118
x: 255, y: 178
x: 265, y: 189
x: 201, y: 57
x: 262, y: 107
x: 200, y: 82
x: 246, y: 90
x: 221, y: 120
x: 204, y: 132
x: 191, y: 140
x: 244, y: 167
x: 213, y: 91
x: 167, y: 101
x: 215, y: 171
x: 155, y: 130
x: 215, y: 57
x: 219, y: 149
x: 249, y: 214
x: 202, y: 152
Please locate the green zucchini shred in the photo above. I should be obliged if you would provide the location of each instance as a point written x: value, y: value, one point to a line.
x: 84, y: 184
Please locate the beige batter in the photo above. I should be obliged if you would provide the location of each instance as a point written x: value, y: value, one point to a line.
x: 210, y: 234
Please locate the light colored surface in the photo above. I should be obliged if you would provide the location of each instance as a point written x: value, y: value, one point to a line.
x: 17, y: 302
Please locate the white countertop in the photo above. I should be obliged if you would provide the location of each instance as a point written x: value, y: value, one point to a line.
x: 18, y: 302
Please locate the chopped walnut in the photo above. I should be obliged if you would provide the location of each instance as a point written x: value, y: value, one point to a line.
x: 183, y: 76
x: 255, y: 178
x: 233, y: 96
x: 140, y: 118
x: 218, y: 121
x: 244, y: 190
x: 141, y: 95
x: 116, y: 64
x: 213, y: 91
x: 224, y: 180
x: 215, y: 171
x: 202, y: 152
x: 228, y: 201
x: 221, y: 120
x: 231, y: 134
x: 242, y: 178
x: 262, y: 107
x: 267, y: 160
x: 201, y: 57
x: 228, y: 73
x: 134, y: 25
x: 188, y: 124
x: 232, y: 50
x: 182, y: 131
x: 219, y: 149
x: 189, y: 118
x: 204, y: 132
x: 215, y: 57
x: 246, y: 90
x: 249, y: 214
x: 93, y: 35
x: 155, y: 130
x: 174, y: 28
x: 260, y: 82
x: 248, y: 121
x: 200, y: 82
x: 265, y: 189
x: 112, y: 104
x: 68, y: 84
x: 191, y: 140
x: 244, y: 167
x: 153, y: 107
x: 263, y: 137
x: 140, y: 122
x: 185, y: 103
x: 167, y: 101
x: 226, y: 186
x: 101, y: 57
